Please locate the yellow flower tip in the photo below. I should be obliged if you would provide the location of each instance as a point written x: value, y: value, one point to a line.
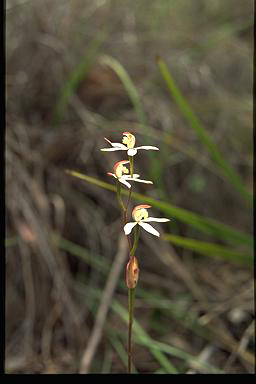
x: 132, y: 272
x: 140, y: 212
x: 119, y: 168
x: 129, y: 140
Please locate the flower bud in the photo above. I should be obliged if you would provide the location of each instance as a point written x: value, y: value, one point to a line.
x: 132, y: 272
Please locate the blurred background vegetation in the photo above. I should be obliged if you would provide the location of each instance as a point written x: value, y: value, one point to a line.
x: 76, y: 72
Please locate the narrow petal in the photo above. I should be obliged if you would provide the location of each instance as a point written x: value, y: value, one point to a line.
x: 147, y: 147
x: 142, y: 181
x: 128, y: 227
x: 132, y: 151
x: 119, y: 145
x: 111, y: 149
x: 116, y: 145
x: 122, y: 180
x: 136, y: 178
x: 108, y: 140
x: 149, y: 228
x: 111, y: 174
x: 156, y: 220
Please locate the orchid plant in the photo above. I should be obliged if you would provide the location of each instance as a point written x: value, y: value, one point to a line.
x: 124, y: 176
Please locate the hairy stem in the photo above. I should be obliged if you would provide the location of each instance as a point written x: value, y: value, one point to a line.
x: 125, y: 216
x: 131, y: 300
x: 131, y: 297
x: 132, y: 250
x: 118, y: 193
x: 136, y: 240
x: 123, y: 208
x: 131, y: 165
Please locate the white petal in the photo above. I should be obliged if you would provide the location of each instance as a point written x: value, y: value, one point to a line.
x: 122, y: 180
x: 112, y: 149
x: 156, y: 220
x: 135, y: 176
x: 131, y: 151
x: 119, y: 145
x: 142, y: 181
x: 112, y: 174
x: 149, y: 228
x: 129, y: 226
x: 147, y: 147
x: 116, y: 145
x: 108, y: 140
x: 125, y: 177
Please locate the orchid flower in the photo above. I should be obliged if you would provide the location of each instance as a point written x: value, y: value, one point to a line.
x: 120, y: 173
x: 129, y: 140
x: 140, y: 215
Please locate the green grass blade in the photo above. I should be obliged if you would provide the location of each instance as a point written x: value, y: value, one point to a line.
x: 11, y: 241
x: 75, y: 77
x: 204, y: 224
x: 141, y: 335
x: 189, y: 320
x: 123, y: 313
x: 119, y: 348
x: 143, y: 338
x: 80, y: 252
x: 128, y: 85
x: 205, y: 138
x: 158, y: 349
x: 210, y: 249
x: 155, y: 164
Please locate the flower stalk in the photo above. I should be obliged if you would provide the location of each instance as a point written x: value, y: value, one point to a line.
x: 131, y: 299
x: 131, y: 165
x: 139, y: 214
x: 135, y: 243
x: 118, y: 193
x: 132, y: 276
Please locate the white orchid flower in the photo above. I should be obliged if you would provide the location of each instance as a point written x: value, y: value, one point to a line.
x: 140, y: 215
x: 120, y: 173
x: 129, y: 140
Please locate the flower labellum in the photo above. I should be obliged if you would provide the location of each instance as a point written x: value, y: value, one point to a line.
x: 119, y: 168
x: 140, y: 212
x: 129, y: 139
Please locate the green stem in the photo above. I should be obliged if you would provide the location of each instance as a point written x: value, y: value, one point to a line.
x: 136, y: 240
x: 131, y: 299
x: 125, y: 216
x: 118, y: 193
x: 131, y: 291
x: 131, y: 165
x: 123, y: 208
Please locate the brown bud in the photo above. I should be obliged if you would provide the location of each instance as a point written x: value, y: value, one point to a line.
x: 132, y: 272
